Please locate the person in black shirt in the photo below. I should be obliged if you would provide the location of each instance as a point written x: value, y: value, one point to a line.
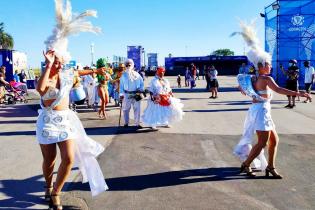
x: 22, y: 76
x: 292, y: 81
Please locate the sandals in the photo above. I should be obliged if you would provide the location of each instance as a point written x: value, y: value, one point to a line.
x: 55, y: 206
x: 248, y: 170
x: 48, y: 191
x: 273, y: 172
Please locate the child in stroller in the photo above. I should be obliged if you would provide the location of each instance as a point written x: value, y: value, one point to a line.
x: 14, y: 95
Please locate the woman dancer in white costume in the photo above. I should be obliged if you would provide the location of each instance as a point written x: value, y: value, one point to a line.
x: 259, y: 114
x: 163, y: 108
x: 56, y: 124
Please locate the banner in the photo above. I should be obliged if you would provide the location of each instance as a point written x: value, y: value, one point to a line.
x: 135, y: 53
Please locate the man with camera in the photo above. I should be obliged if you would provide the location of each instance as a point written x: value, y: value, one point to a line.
x: 131, y: 92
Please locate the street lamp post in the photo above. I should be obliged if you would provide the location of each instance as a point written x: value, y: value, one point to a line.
x: 92, y: 54
x: 276, y: 6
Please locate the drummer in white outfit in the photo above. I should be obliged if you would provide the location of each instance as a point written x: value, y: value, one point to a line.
x: 90, y: 82
x: 131, y: 83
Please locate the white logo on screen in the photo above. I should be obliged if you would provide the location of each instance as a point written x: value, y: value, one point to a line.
x: 297, y: 20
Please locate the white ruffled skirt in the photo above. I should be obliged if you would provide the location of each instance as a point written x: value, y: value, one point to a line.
x: 258, y: 119
x: 157, y: 115
x: 56, y: 126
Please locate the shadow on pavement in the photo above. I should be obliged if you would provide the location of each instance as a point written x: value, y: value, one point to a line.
x: 109, y: 130
x: 20, y: 193
x: 247, y: 102
x: 18, y: 122
x: 186, y: 99
x: 219, y: 110
x: 188, y: 90
x: 19, y: 111
x: 198, y: 90
x: 18, y: 133
x: 166, y: 179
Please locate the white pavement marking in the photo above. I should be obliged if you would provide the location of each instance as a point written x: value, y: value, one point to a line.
x: 212, y: 154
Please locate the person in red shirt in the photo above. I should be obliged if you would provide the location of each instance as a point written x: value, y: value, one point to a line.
x: 193, y: 71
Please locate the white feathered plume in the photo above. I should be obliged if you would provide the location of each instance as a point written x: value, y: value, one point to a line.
x: 68, y: 24
x: 256, y: 54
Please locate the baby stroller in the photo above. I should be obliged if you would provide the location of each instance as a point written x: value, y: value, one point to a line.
x: 14, y: 95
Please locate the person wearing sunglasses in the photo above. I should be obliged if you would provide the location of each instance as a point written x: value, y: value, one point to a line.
x: 131, y: 84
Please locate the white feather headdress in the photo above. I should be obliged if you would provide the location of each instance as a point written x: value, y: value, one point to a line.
x: 256, y: 54
x: 68, y: 24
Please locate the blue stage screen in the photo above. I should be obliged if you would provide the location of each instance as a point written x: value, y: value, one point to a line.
x: 290, y: 34
x: 134, y: 53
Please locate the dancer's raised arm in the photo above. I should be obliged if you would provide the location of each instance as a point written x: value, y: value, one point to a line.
x: 273, y: 85
x: 92, y: 71
x: 50, y: 60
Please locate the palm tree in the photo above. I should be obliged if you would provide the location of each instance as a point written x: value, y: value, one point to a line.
x: 6, y: 40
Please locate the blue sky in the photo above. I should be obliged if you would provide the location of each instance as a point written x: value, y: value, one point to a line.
x: 180, y: 27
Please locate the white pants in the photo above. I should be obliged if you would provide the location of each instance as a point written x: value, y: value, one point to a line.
x: 91, y: 94
x: 126, y: 106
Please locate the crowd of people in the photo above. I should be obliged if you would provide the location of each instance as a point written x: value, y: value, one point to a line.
x: 193, y: 73
x: 59, y: 86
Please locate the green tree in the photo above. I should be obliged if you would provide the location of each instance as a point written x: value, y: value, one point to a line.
x: 223, y: 52
x: 6, y: 40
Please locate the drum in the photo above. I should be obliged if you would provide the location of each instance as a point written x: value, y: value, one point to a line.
x: 77, y: 94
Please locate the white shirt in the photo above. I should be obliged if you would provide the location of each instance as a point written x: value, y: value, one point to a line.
x: 213, y: 74
x: 89, y: 81
x: 159, y: 86
x: 130, y: 85
x: 309, y: 72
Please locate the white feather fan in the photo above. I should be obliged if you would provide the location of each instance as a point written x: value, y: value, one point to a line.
x: 68, y: 24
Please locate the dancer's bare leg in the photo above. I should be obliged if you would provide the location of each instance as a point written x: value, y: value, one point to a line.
x: 106, y: 101
x: 67, y: 159
x: 101, y: 93
x: 263, y: 137
x: 49, y: 153
x: 272, y: 148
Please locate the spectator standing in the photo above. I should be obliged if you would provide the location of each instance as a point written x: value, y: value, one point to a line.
x: 36, y: 81
x: 292, y: 81
x: 243, y: 69
x: 207, y: 70
x: 16, y: 76
x: 179, y: 81
x: 3, y: 83
x: 214, y: 84
x: 22, y: 76
x: 197, y: 72
x: 193, y: 71
x: 187, y: 77
x: 309, y: 79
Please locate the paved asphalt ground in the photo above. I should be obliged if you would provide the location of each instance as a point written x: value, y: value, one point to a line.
x: 188, y: 166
